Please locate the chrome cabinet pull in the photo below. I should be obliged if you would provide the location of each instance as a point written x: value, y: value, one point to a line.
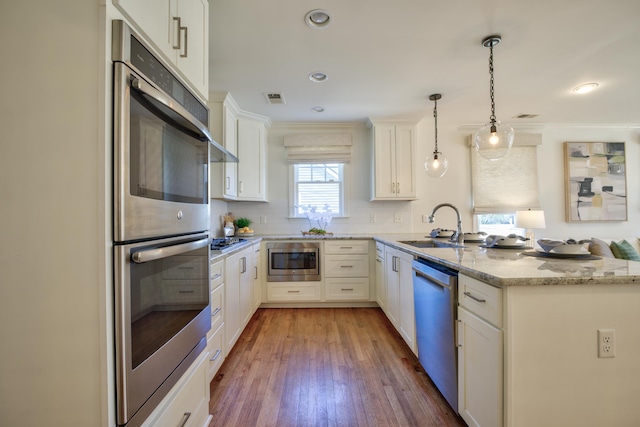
x: 240, y: 187
x: 176, y: 19
x: 190, y: 291
x: 228, y: 182
x: 459, y: 335
x: 215, y: 356
x: 186, y: 43
x: 468, y: 294
x: 256, y: 273
x: 293, y: 292
x: 184, y: 420
x: 346, y: 266
x: 346, y: 247
x: 346, y: 289
x: 244, y: 265
x: 216, y: 311
x: 217, y: 275
x: 398, y: 187
x: 393, y: 187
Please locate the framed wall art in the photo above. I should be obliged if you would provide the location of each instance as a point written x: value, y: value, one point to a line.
x: 595, y: 181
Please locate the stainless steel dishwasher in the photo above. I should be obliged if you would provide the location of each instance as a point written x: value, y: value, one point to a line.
x: 434, y: 289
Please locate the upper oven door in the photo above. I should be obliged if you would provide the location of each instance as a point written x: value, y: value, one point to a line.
x: 161, y: 161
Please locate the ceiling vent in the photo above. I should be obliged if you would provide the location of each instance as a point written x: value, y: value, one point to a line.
x: 274, y: 98
x: 525, y: 116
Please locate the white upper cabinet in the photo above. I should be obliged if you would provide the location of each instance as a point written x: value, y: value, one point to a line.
x: 252, y: 153
x: 223, y: 124
x: 179, y: 30
x: 394, y: 170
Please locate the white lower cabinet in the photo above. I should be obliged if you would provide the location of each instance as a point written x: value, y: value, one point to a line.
x: 257, y: 276
x: 215, y: 349
x: 346, y: 270
x: 187, y: 404
x: 381, y: 280
x: 480, y: 349
x: 399, y: 299
x: 238, y: 304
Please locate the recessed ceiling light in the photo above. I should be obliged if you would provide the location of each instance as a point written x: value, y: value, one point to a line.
x: 317, y: 109
x: 317, y: 18
x: 318, y: 77
x: 585, y: 88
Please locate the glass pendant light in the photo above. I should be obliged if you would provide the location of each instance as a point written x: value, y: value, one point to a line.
x: 494, y: 140
x: 436, y: 164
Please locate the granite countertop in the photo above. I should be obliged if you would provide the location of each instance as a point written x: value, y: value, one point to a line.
x: 510, y: 267
x: 504, y: 267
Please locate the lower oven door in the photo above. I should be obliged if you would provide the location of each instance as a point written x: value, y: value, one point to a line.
x: 162, y: 317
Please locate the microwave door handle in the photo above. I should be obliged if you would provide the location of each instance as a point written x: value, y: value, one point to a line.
x: 140, y: 257
x: 165, y: 106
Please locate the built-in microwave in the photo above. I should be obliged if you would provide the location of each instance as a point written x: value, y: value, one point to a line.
x: 293, y: 261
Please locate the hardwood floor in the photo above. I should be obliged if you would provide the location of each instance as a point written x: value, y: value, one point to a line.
x: 324, y: 367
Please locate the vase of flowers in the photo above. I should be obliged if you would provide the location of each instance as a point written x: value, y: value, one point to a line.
x: 318, y: 219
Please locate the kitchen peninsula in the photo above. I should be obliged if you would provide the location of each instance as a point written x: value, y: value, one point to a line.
x: 544, y: 367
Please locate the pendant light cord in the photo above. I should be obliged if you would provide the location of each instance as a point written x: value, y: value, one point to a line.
x: 493, y: 102
x: 435, y: 116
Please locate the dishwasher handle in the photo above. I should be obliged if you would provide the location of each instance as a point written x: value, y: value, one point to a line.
x: 441, y: 278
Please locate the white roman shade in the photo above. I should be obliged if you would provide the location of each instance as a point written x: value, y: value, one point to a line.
x: 320, y: 148
x: 510, y: 183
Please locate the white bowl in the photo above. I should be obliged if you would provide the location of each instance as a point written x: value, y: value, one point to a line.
x: 445, y: 233
x: 475, y: 236
x: 510, y: 241
x: 570, y: 249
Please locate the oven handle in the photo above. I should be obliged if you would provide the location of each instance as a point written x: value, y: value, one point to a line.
x: 140, y: 257
x: 162, y: 102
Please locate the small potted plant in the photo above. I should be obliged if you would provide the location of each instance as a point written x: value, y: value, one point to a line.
x: 242, y: 225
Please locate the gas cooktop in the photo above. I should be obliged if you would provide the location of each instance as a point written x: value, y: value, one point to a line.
x: 226, y: 244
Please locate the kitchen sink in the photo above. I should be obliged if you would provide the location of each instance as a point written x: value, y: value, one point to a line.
x: 430, y: 244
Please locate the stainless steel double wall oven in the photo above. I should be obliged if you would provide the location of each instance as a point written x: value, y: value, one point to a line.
x: 162, y: 150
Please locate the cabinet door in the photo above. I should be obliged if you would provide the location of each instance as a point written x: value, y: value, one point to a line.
x: 393, y: 290
x: 384, y: 175
x: 381, y: 283
x: 232, y: 300
x: 479, y: 371
x: 246, y: 286
x: 154, y: 19
x: 252, y: 173
x: 405, y: 155
x: 230, y: 190
x: 193, y: 56
x: 257, y: 277
x: 407, y: 315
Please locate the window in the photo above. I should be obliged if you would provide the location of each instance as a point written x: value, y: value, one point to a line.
x: 502, y: 187
x: 319, y: 184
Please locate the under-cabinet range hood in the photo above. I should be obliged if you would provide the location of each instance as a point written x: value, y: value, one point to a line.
x: 217, y: 153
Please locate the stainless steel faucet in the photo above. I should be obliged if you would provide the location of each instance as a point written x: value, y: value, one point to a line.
x: 457, y: 237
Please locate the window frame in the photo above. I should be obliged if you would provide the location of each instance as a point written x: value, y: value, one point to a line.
x: 293, y: 194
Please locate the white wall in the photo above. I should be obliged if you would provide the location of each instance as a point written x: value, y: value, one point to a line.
x: 53, y: 258
x: 454, y: 187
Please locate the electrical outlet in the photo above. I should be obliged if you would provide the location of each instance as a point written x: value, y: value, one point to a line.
x: 425, y: 218
x: 263, y: 219
x: 606, y: 343
x: 372, y: 217
x: 397, y: 218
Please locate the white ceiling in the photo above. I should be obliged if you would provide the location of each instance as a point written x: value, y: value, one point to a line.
x: 384, y: 58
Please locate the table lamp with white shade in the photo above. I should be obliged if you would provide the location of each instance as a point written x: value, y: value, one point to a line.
x: 529, y: 220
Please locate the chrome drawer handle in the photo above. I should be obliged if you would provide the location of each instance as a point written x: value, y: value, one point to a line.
x: 186, y: 292
x: 346, y: 247
x: 293, y: 292
x: 216, y: 311
x: 185, y: 418
x: 346, y: 266
x: 215, y: 356
x: 216, y: 276
x: 346, y: 289
x: 468, y: 294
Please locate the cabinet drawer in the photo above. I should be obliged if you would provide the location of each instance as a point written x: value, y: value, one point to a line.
x: 293, y: 292
x: 187, y: 397
x: 217, y: 305
x: 216, y: 352
x: 216, y: 274
x: 346, y: 247
x: 347, y: 289
x: 480, y: 298
x: 346, y: 266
